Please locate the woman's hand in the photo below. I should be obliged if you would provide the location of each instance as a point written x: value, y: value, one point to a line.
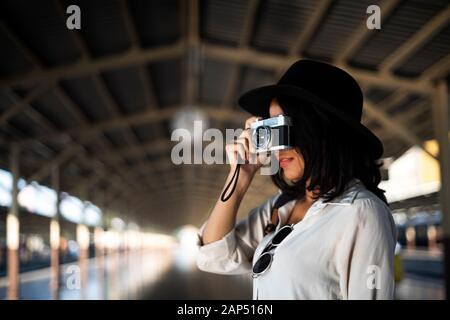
x: 223, y: 216
x: 241, y: 150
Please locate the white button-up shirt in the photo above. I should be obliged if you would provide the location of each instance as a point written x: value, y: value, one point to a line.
x: 343, y: 249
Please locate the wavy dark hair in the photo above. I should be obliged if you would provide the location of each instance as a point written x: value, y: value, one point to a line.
x: 333, y: 154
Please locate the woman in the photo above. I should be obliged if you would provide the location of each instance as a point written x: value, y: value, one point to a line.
x: 329, y: 233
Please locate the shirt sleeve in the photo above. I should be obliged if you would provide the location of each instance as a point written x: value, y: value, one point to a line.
x: 233, y: 253
x: 366, y: 253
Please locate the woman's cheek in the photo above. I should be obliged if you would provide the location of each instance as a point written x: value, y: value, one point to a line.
x: 298, y: 171
x: 295, y: 171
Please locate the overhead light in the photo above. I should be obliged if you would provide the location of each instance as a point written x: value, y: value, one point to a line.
x: 190, y: 118
x: 117, y: 224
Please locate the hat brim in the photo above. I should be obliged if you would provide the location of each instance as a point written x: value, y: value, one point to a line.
x: 257, y: 102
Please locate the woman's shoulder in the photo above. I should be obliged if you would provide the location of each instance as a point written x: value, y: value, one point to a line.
x: 365, y: 197
x: 358, y: 204
x: 369, y: 207
x: 357, y: 195
x: 363, y: 210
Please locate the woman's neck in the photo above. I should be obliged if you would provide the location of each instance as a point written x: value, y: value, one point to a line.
x: 301, y: 207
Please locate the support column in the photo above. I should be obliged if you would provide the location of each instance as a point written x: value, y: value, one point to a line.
x: 105, y: 257
x: 55, y: 237
x: 442, y: 128
x: 12, y: 228
x: 98, y: 241
x: 99, y: 235
x: 99, y: 257
x: 410, y: 238
x: 83, y: 243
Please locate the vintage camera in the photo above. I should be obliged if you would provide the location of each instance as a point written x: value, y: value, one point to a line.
x: 271, y: 134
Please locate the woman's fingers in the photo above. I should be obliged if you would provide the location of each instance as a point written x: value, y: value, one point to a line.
x: 239, y: 151
x: 245, y: 143
x: 250, y: 120
x: 236, y: 152
x: 231, y: 154
x: 250, y: 145
x: 247, y: 132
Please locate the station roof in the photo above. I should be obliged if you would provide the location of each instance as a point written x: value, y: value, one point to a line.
x: 99, y: 101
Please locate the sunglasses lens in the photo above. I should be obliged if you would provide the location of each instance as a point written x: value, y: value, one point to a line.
x: 266, y: 258
x: 262, y: 263
x: 281, y: 234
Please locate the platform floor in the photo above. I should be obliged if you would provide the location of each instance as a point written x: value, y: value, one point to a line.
x: 173, y: 275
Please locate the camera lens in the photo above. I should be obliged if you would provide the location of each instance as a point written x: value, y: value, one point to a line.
x: 261, y: 137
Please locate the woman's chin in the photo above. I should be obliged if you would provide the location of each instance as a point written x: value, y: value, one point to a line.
x: 291, y: 177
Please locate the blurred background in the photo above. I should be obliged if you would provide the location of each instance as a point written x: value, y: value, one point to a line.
x: 91, y: 205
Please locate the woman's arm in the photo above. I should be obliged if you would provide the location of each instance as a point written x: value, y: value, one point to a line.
x: 223, y: 217
x: 227, y: 247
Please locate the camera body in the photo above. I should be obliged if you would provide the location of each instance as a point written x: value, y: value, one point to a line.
x: 271, y: 134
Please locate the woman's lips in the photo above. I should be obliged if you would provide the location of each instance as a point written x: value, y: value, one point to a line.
x: 284, y: 162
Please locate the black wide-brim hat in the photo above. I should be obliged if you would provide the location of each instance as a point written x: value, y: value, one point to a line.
x: 323, y: 86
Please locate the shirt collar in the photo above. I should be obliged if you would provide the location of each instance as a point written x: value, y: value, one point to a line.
x: 346, y: 198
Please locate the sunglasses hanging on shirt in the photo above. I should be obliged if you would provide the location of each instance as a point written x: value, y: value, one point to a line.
x: 265, y: 259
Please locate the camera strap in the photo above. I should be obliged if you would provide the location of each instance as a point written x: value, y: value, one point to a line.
x: 234, y: 179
